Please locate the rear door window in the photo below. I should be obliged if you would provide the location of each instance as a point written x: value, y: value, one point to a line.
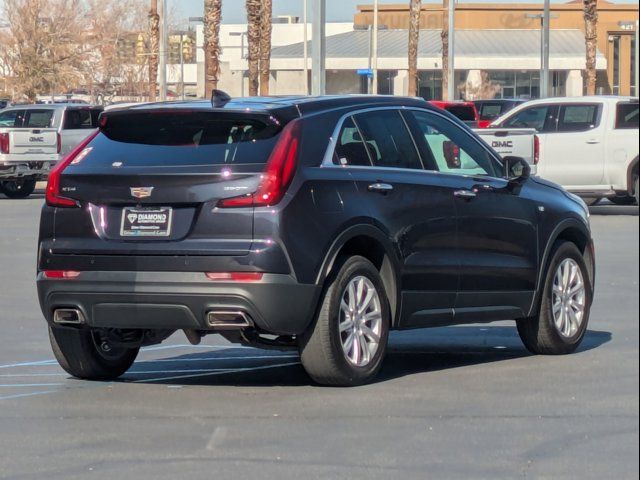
x: 578, y: 118
x: 12, y: 118
x: 38, y: 118
x: 388, y: 140
x: 627, y: 116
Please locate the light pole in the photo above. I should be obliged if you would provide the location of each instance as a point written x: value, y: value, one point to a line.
x: 162, y: 7
x: 306, y: 46
x: 318, y: 84
x: 451, y: 90
x: 545, y: 20
x: 374, y: 48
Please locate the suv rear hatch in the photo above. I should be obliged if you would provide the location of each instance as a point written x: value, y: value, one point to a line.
x: 151, y: 183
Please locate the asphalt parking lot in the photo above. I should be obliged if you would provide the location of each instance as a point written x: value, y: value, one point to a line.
x: 452, y: 403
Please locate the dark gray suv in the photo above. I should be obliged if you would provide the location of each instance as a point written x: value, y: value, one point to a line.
x: 311, y: 223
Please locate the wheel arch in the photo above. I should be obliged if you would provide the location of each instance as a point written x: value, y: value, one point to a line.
x: 570, y: 230
x: 371, y: 243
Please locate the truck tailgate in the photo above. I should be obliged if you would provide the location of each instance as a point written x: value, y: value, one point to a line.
x: 33, y: 141
x: 517, y: 142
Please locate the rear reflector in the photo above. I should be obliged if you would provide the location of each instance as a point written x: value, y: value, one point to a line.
x: 61, y: 274
x: 234, y: 276
x: 53, y: 196
x: 278, y: 173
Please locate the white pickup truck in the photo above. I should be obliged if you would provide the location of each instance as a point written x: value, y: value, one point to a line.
x: 33, y: 138
x: 589, y: 145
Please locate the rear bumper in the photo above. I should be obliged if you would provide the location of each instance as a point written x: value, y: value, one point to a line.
x: 179, y: 300
x: 11, y: 170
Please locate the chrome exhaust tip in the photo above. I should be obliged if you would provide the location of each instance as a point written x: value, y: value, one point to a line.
x: 228, y: 320
x: 68, y: 316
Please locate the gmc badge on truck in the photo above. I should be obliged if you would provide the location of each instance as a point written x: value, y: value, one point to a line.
x: 502, y: 144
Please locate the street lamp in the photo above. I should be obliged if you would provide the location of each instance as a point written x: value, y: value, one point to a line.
x: 545, y: 19
x: 319, y: 53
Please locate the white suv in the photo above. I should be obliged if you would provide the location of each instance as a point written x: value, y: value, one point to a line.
x: 589, y: 145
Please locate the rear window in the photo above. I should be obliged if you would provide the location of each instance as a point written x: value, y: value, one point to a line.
x: 464, y: 113
x: 38, y: 119
x: 11, y: 118
x: 186, y: 138
x: 490, y: 111
x: 578, y: 118
x: 627, y: 116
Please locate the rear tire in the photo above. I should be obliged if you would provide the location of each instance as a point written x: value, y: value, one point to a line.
x: 346, y: 344
x: 18, y: 189
x: 555, y: 330
x: 81, y: 353
x: 622, y: 200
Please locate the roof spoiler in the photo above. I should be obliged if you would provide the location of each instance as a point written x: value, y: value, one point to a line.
x: 219, y: 98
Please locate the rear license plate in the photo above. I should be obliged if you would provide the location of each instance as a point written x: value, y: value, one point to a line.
x: 146, y: 222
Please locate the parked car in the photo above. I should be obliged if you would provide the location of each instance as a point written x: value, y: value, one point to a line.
x: 317, y: 224
x: 587, y: 144
x: 514, y: 142
x: 464, y: 111
x: 490, y: 110
x: 33, y: 138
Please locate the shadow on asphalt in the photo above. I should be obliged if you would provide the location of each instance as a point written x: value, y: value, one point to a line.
x: 409, y: 353
x: 608, y: 209
x: 34, y: 196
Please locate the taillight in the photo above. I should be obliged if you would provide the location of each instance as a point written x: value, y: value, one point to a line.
x: 278, y: 173
x: 53, y: 196
x: 61, y: 274
x: 4, y: 143
x: 59, y: 143
x: 536, y: 149
x: 234, y: 276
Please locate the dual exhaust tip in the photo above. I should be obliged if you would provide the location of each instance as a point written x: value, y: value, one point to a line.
x: 216, y: 320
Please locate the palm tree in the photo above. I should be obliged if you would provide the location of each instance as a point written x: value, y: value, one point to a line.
x: 265, y: 46
x: 591, y: 39
x: 212, y: 21
x: 254, y: 11
x: 445, y: 49
x: 154, y: 40
x: 414, y: 37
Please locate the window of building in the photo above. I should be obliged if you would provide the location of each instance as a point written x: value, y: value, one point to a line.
x: 430, y: 84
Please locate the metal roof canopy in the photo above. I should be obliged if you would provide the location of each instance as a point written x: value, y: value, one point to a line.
x: 481, y: 49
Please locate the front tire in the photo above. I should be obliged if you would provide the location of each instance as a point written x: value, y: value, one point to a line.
x: 347, y: 342
x: 563, y: 316
x: 86, y: 354
x: 18, y: 189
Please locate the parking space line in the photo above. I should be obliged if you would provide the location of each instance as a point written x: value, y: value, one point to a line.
x: 236, y: 370
x: 30, y: 385
x: 31, y: 394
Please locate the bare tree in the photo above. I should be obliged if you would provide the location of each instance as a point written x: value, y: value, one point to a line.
x: 414, y: 38
x: 265, y: 46
x: 46, y: 49
x: 212, y: 21
x: 591, y: 40
x: 254, y: 11
x: 154, y: 47
x: 445, y: 49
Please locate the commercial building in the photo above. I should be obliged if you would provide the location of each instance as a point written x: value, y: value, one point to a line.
x: 497, y: 51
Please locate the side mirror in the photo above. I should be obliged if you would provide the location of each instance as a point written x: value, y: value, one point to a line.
x: 516, y: 169
x: 451, y: 154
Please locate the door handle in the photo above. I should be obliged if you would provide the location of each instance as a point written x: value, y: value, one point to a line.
x: 593, y: 141
x: 466, y: 194
x: 380, y: 188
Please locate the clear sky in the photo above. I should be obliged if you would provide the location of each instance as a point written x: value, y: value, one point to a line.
x: 337, y: 10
